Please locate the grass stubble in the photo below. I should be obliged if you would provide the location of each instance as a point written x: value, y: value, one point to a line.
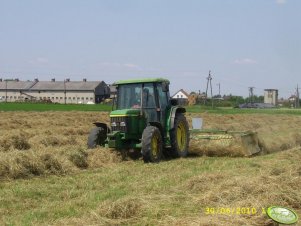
x: 49, y: 177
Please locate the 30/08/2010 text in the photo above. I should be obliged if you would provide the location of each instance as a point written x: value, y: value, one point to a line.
x: 234, y: 210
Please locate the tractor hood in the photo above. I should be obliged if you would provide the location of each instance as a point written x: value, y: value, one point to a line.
x: 125, y: 112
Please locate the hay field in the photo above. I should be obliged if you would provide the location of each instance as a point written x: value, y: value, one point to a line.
x: 48, y: 177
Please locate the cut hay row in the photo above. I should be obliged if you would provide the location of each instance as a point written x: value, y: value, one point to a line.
x: 31, y: 141
x: 43, y: 143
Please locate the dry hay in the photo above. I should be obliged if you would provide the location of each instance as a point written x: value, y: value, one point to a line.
x: 121, y: 209
x: 16, y: 164
x: 14, y: 141
x: 42, y: 143
x: 192, y: 98
x: 62, y: 137
x: 119, y: 212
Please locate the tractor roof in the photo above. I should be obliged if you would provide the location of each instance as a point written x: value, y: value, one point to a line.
x: 143, y: 80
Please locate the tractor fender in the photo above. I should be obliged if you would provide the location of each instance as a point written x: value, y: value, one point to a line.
x: 172, y: 116
x: 158, y: 125
x: 102, y: 125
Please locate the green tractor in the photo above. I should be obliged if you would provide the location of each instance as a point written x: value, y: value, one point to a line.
x: 146, y: 119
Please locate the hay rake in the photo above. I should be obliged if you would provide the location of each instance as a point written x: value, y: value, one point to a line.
x: 248, y: 140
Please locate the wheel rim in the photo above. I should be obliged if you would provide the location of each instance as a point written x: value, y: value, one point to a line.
x: 155, y: 145
x: 181, y: 136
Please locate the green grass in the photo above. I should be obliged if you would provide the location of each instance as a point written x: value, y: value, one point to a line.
x: 106, y: 107
x: 47, y: 199
x: 53, y: 107
x: 169, y: 190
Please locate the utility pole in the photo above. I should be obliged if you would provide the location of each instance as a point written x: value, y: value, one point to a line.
x: 65, y: 90
x: 6, y: 80
x: 219, y: 89
x: 297, y: 99
x: 209, y: 78
x: 5, y: 90
x: 251, y: 95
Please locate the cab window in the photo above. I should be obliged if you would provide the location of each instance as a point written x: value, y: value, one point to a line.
x: 148, y: 96
x: 162, y: 97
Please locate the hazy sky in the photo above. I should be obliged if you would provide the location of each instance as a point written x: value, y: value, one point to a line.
x: 243, y: 42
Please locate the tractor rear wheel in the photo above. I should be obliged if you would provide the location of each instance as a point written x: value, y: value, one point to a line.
x: 179, y: 137
x: 152, y: 144
x: 96, y: 137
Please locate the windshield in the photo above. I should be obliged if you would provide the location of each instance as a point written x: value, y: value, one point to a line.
x: 129, y: 96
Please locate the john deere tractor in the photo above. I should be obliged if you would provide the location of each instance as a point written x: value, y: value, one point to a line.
x: 146, y: 119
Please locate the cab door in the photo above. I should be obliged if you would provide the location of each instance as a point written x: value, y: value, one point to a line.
x: 149, y: 102
x: 163, y: 97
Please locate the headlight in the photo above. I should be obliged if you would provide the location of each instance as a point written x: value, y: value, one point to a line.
x: 113, y: 124
x: 122, y: 124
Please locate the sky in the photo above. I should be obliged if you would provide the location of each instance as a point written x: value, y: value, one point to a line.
x: 244, y: 43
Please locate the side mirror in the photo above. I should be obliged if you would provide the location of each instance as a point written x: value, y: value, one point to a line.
x: 165, y: 87
x: 174, y: 102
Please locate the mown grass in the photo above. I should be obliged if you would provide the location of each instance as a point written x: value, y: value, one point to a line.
x: 49, y: 177
x: 175, y: 192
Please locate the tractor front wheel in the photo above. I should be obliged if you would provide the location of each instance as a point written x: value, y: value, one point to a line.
x: 179, y: 137
x: 96, y: 137
x: 152, y: 144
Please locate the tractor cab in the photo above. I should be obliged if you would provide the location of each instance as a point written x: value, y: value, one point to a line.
x: 149, y: 97
x: 144, y: 118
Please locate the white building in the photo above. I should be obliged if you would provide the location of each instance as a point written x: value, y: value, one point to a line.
x: 271, y: 96
x: 74, y: 92
x: 181, y: 96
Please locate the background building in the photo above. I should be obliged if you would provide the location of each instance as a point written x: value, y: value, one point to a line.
x: 271, y: 96
x: 75, y: 92
x: 181, y: 96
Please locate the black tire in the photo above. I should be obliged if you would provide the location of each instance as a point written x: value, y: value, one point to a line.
x: 152, y: 144
x: 179, y: 137
x: 96, y: 137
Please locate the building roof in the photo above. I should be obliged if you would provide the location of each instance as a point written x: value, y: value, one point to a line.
x: 183, y: 91
x: 270, y: 89
x: 61, y: 85
x: 15, y: 84
x: 143, y: 80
